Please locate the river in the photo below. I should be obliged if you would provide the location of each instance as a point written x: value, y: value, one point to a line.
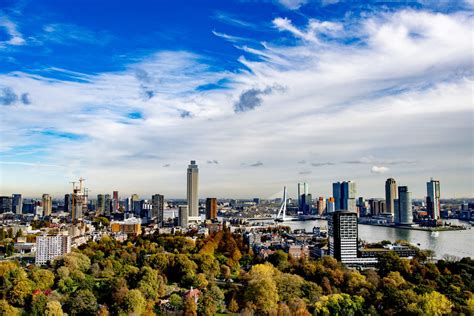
x: 458, y: 243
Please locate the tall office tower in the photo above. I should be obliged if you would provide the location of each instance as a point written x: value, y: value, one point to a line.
x: 342, y: 232
x: 17, y: 204
x: 183, y: 215
x: 107, y: 204
x: 349, y: 196
x: 306, y: 203
x: 6, y: 203
x: 67, y: 203
x: 100, y: 207
x: 390, y: 195
x: 158, y: 207
x: 192, y: 194
x: 50, y: 247
x: 211, y: 208
x: 115, y: 198
x: 302, y: 191
x: 345, y: 195
x: 403, y: 209
x: 337, y: 195
x: 47, y: 205
x: 330, y: 205
x: 321, y: 205
x: 432, y: 199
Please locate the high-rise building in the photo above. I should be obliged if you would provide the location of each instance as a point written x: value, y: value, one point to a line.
x: 115, y: 197
x: 183, y: 215
x: 330, y: 205
x: 47, y: 205
x: 67, y: 203
x: 390, y: 195
x: 100, y: 207
x: 403, y: 209
x: 321, y: 206
x: 6, y: 203
x: 343, y: 234
x: 344, y: 194
x: 17, y: 204
x: 433, y: 205
x: 302, y: 192
x: 211, y: 208
x: 158, y: 207
x: 193, y: 189
x: 107, y: 204
x: 50, y: 247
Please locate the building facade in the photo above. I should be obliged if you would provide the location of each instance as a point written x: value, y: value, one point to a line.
x: 50, y: 247
x: 193, y: 189
x: 343, y: 234
x: 17, y: 204
x: 158, y: 207
x: 433, y: 195
x: 344, y: 194
x: 403, y: 209
x: 47, y: 205
x: 183, y: 215
x: 390, y: 195
x: 6, y: 203
x: 211, y: 208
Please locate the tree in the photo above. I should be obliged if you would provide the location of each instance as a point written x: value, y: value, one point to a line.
x: 176, y: 301
x: 22, y: 288
x: 436, y: 304
x: 339, y: 304
x: 38, y: 304
x: 261, y: 292
x: 289, y: 286
x: 279, y: 259
x: 44, y: 279
x: 134, y: 302
x: 152, y: 285
x: 7, y: 309
x: 53, y: 308
x: 233, y: 306
x: 211, y: 301
x: 190, y: 308
x: 83, y: 303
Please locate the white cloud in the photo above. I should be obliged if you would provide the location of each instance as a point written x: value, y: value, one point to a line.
x: 11, y: 29
x: 292, y: 4
x: 403, y: 95
x: 379, y: 169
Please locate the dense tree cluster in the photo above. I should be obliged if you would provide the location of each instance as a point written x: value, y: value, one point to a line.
x: 154, y: 274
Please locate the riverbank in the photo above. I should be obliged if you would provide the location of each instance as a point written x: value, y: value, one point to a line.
x: 428, y: 229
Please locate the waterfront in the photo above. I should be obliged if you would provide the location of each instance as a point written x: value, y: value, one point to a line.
x: 445, y: 243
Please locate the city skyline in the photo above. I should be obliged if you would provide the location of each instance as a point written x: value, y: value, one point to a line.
x: 260, y: 94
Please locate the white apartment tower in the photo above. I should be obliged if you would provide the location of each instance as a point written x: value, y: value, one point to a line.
x: 50, y: 247
x: 192, y: 188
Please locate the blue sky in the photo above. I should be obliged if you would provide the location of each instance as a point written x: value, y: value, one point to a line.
x: 262, y: 93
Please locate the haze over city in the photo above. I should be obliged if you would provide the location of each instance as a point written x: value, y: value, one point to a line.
x: 260, y: 94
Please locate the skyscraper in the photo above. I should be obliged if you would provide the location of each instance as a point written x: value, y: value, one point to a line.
x: 107, y: 204
x: 6, y: 204
x: 17, y: 204
x: 432, y: 198
x: 342, y: 232
x: 158, y: 207
x: 47, y: 205
x: 211, y: 208
x: 183, y: 215
x: 331, y: 205
x: 302, y: 192
x: 321, y: 205
x: 192, y: 189
x: 100, y: 204
x: 390, y: 195
x: 67, y: 203
x: 403, y: 210
x: 345, y: 195
x: 51, y: 247
x: 115, y: 198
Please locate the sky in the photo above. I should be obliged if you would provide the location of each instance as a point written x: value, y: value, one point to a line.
x: 262, y: 94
